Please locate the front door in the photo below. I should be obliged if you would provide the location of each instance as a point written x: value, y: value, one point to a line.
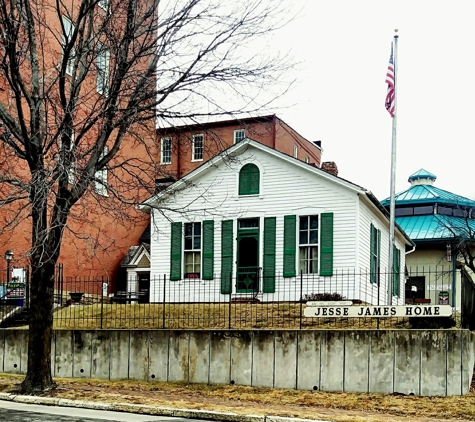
x: 248, y: 256
x: 144, y: 288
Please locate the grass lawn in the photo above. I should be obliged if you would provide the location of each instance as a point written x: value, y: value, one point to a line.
x: 208, y: 315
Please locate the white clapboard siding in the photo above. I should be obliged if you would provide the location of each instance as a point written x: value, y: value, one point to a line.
x: 287, y: 188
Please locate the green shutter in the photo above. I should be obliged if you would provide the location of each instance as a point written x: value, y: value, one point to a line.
x: 208, y: 250
x: 227, y: 242
x: 254, y: 179
x: 269, y: 255
x: 249, y: 180
x: 372, y: 269
x: 290, y: 224
x: 326, y: 244
x: 175, y: 252
x: 396, y: 270
x: 378, y: 275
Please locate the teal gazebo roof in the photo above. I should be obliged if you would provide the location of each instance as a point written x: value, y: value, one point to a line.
x: 432, y: 226
x: 422, y: 192
x: 435, y: 227
x: 422, y: 174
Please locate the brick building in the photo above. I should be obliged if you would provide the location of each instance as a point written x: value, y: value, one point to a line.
x: 95, y: 238
x: 184, y: 148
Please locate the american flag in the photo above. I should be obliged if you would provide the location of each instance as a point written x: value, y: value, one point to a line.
x: 390, y: 81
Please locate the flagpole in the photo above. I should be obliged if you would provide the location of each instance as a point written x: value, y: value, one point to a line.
x: 392, y: 205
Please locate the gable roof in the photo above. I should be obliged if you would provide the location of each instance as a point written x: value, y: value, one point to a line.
x: 247, y: 143
x: 134, y: 253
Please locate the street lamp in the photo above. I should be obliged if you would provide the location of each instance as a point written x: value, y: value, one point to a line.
x: 8, y: 258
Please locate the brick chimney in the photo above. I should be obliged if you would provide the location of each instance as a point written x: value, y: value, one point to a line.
x: 330, y: 167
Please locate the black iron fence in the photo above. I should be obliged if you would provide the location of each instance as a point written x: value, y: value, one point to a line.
x: 467, y: 301
x: 206, y: 304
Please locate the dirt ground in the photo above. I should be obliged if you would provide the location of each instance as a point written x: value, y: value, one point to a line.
x: 340, y: 407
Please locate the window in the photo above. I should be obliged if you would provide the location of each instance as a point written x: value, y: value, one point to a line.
x: 72, y: 164
x: 101, y: 176
x: 308, y: 244
x: 103, y: 59
x: 239, y: 135
x: 296, y: 151
x: 249, y: 180
x: 198, y: 147
x: 166, y: 153
x: 307, y: 159
x: 192, y: 250
x: 375, y: 252
x: 68, y: 29
x: 315, y: 243
x: 104, y: 4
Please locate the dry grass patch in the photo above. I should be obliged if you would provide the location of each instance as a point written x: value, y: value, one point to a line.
x: 264, y: 401
x: 208, y: 316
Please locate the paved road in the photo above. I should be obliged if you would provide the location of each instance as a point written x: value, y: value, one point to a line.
x: 21, y: 412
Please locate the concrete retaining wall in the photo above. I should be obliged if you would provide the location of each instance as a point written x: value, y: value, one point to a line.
x: 428, y: 363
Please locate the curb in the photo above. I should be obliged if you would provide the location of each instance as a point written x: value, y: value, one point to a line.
x: 151, y: 410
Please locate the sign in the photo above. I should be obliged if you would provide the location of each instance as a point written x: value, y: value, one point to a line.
x: 16, y: 290
x: 378, y: 311
x: 105, y: 288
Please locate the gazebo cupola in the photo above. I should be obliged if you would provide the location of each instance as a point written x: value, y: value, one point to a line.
x: 422, y: 177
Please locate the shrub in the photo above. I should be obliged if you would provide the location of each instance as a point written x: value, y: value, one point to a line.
x: 432, y: 322
x: 322, y: 297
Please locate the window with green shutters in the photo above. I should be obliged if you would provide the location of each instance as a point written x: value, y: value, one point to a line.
x: 249, y: 180
x: 269, y: 255
x: 192, y: 250
x: 175, y: 251
x: 290, y: 227
x: 227, y: 242
x: 208, y: 250
x: 326, y: 244
x: 375, y: 253
x: 396, y: 270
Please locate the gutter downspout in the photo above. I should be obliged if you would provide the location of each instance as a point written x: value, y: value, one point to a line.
x: 273, y: 129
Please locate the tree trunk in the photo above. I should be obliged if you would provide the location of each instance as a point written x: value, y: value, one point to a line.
x: 38, y: 376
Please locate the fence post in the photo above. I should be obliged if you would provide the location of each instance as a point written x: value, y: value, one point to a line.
x: 102, y: 300
x: 301, y: 299
x: 164, y: 302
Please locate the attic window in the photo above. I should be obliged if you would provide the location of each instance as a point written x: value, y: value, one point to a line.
x: 249, y: 180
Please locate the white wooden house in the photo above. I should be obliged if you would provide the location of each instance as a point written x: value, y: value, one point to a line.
x: 256, y: 223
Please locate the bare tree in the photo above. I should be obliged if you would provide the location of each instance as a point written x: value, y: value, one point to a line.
x: 83, y: 83
x: 459, y: 229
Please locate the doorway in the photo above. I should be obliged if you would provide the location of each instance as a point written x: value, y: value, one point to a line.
x: 144, y: 288
x: 247, y: 278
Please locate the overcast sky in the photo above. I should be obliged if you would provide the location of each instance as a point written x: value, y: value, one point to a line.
x: 344, y: 47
